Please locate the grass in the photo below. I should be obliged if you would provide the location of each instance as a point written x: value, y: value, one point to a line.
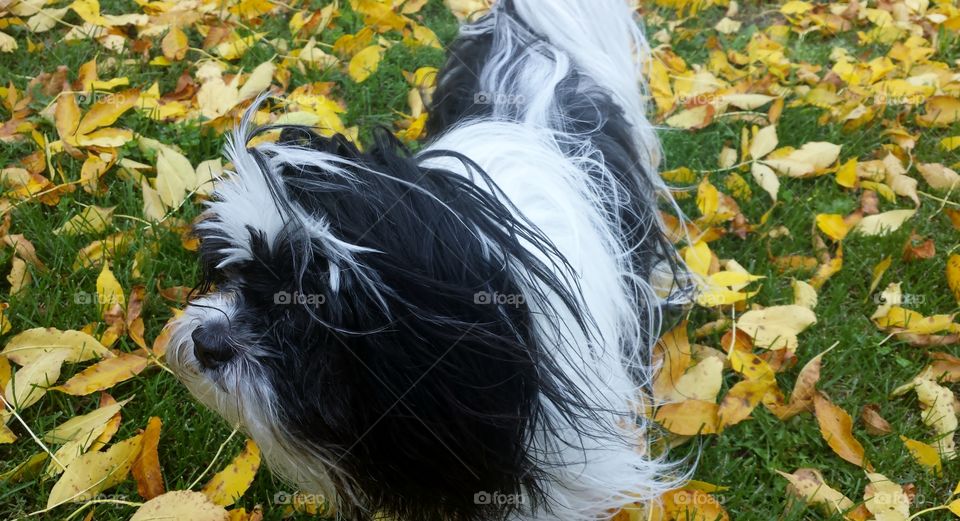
x: 863, y: 369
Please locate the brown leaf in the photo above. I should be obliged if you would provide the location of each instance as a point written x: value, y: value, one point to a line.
x: 146, y: 469
x: 836, y: 427
x: 874, y: 423
x: 918, y: 248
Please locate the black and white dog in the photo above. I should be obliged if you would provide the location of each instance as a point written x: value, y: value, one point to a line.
x: 463, y: 333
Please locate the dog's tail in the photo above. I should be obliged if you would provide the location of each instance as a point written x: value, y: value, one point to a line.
x: 605, y: 42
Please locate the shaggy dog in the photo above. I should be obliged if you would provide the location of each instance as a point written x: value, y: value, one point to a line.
x: 463, y: 333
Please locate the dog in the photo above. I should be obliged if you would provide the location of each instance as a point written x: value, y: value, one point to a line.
x: 462, y: 333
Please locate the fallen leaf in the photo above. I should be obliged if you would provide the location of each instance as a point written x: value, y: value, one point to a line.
x: 925, y: 455
x: 953, y: 275
x: 836, y: 427
x: 689, y: 418
x: 104, y: 374
x: 809, y: 485
x: 365, y: 63
x: 146, y: 468
x: 180, y: 504
x: 30, y: 382
x: 883, y: 223
x: 939, y: 414
x: 95, y: 472
x: 873, y: 422
x: 938, y: 176
x: 34, y: 344
x: 228, y: 485
x: 777, y: 327
x: 886, y: 499
x: 740, y: 401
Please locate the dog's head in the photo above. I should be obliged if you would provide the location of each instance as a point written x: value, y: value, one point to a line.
x: 369, y: 323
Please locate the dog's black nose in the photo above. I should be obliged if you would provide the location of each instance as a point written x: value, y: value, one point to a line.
x: 211, y: 346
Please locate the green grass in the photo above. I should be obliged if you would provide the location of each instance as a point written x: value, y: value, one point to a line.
x: 863, y: 369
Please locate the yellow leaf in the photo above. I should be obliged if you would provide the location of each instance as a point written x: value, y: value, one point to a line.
x: 426, y: 37
x: 180, y: 504
x: 672, y: 354
x: 925, y: 455
x: 808, y: 485
x: 950, y: 143
x: 728, y: 26
x: 939, y: 413
x: 153, y: 208
x: 109, y: 291
x: 146, y: 469
x: 953, y: 275
x: 468, y: 10
x: 175, y: 176
x: 954, y: 507
x: 34, y: 344
x: 732, y: 278
x: 832, y: 225
x: 7, y: 43
x: 78, y: 434
x: 78, y: 426
x: 105, y: 137
x: 229, y: 484
x: 365, y: 63
x: 67, y: 117
x: 698, y: 258
x: 175, y: 44
x: 692, y: 119
x: 886, y: 499
x: 751, y: 366
x: 19, y: 277
x: 795, y: 7
x: 883, y: 223
x: 836, y: 427
x: 106, y: 111
x: 95, y: 472
x: 700, y: 382
x: 938, y: 176
x: 93, y: 219
x: 847, y: 174
x: 766, y: 178
x: 764, y: 141
x: 30, y: 383
x: 689, y: 418
x: 104, y: 374
x: 776, y: 327
x: 741, y: 400
x: 941, y: 111
x: 804, y: 294
x: 708, y: 199
x: 89, y: 10
x: 258, y: 81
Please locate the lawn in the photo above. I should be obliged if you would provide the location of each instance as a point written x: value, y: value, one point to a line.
x: 864, y: 103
